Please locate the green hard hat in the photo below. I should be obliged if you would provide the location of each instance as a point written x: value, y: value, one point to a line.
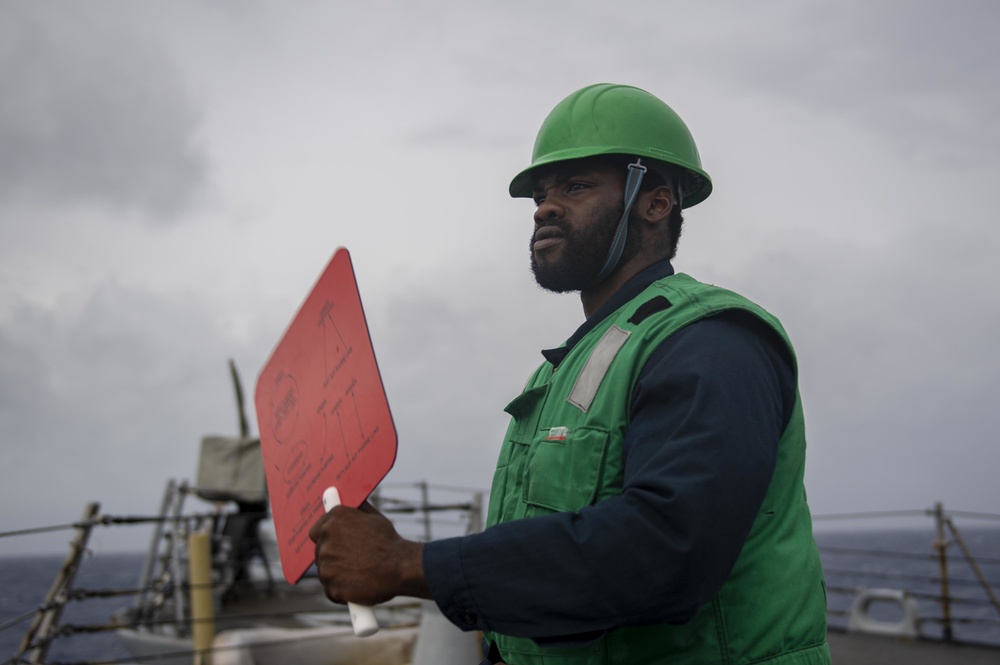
x: 608, y: 119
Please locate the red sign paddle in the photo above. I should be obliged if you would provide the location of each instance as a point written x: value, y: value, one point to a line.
x: 322, y: 413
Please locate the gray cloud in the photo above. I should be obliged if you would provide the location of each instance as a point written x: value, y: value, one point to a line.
x: 104, y: 398
x: 93, y: 114
x: 922, y: 74
x: 459, y: 133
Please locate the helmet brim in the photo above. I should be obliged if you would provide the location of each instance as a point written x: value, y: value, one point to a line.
x: 697, y: 188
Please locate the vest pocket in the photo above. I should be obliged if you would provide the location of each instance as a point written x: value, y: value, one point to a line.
x: 564, y: 474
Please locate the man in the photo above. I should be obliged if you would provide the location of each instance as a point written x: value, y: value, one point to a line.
x: 648, y: 504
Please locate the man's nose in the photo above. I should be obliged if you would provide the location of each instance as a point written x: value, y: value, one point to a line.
x: 548, y: 209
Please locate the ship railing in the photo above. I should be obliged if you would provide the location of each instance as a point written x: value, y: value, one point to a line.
x: 421, y: 511
x: 963, y: 607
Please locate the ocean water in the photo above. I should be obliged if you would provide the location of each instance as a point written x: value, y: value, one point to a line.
x: 25, y: 582
x: 872, y: 559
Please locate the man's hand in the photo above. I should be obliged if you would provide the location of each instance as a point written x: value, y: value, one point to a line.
x: 361, y: 559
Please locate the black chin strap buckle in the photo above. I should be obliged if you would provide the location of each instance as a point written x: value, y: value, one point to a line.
x: 636, y: 171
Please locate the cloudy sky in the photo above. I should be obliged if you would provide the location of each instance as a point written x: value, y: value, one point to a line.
x: 174, y: 176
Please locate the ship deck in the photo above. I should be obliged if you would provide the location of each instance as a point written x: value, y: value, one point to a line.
x: 860, y: 649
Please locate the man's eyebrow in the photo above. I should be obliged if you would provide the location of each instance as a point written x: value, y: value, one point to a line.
x: 556, y: 176
x: 547, y: 179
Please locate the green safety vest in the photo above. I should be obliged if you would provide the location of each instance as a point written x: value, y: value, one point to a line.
x: 563, y: 451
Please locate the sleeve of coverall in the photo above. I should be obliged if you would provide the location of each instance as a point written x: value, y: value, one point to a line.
x: 707, y: 413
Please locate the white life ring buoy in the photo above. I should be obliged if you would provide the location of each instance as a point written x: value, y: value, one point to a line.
x: 860, y: 621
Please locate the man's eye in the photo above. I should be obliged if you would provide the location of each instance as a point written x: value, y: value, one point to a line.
x: 539, y: 200
x: 576, y: 186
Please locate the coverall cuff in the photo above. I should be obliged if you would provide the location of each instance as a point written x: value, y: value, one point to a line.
x: 446, y: 580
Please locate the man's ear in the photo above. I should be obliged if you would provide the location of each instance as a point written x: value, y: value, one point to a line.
x: 655, y: 205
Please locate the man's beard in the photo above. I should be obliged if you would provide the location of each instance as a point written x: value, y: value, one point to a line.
x: 583, y: 253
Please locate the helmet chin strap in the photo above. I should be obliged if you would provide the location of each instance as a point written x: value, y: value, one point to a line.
x: 635, y: 173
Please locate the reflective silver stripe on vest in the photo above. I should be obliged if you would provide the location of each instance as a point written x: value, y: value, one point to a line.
x: 585, y: 388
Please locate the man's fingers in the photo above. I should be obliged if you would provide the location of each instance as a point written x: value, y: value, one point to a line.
x: 316, y: 528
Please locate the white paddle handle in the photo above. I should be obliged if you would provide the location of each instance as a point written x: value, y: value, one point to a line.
x: 362, y: 617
